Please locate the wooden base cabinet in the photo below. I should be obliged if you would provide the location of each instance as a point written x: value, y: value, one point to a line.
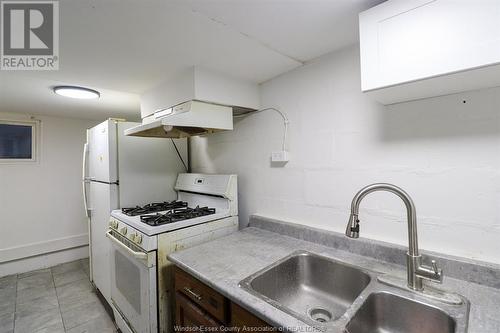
x: 247, y: 322
x: 199, y: 306
x: 189, y: 315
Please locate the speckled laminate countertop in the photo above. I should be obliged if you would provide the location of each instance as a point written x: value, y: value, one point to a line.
x: 224, y: 262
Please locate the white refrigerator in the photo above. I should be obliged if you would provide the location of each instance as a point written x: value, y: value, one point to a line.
x: 123, y: 171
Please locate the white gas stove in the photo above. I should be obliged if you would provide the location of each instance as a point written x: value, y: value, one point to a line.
x: 206, y: 208
x: 200, y: 199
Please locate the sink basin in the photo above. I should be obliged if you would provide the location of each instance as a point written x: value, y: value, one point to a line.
x: 338, y: 297
x: 311, y: 287
x: 389, y: 313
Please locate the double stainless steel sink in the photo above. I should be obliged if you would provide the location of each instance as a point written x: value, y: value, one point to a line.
x: 339, y: 297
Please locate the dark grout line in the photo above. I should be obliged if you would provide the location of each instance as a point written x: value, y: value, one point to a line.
x: 57, y: 298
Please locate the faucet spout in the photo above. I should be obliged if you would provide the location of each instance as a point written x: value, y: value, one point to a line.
x: 416, y: 270
x: 352, y: 230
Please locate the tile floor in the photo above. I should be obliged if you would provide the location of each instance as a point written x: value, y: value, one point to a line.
x: 53, y: 300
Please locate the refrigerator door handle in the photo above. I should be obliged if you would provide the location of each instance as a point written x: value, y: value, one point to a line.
x: 85, y: 179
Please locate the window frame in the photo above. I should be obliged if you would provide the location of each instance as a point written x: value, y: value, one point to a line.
x: 34, y: 124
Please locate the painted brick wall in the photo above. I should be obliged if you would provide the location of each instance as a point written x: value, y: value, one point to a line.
x: 444, y: 151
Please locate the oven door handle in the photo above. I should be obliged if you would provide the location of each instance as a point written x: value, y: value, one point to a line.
x: 135, y: 254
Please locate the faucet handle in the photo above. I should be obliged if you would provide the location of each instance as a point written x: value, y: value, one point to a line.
x: 434, y: 266
x: 437, y: 272
x: 432, y: 273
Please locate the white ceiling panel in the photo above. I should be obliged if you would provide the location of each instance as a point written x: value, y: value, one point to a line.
x: 301, y: 29
x: 18, y: 94
x: 125, y: 47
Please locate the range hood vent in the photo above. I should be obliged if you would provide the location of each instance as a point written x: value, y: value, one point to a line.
x: 187, y: 119
x: 195, y: 101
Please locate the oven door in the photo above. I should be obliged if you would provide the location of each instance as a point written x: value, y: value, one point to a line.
x: 133, y: 283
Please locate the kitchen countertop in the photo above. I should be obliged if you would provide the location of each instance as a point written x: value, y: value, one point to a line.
x: 235, y: 257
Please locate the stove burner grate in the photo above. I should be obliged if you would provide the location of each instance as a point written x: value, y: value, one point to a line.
x: 154, y: 207
x: 176, y: 215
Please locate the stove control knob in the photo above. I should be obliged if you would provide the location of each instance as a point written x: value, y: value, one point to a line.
x: 113, y: 224
x: 138, y: 239
x: 123, y: 231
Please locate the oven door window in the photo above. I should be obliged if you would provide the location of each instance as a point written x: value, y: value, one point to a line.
x: 128, y: 280
x: 133, y: 289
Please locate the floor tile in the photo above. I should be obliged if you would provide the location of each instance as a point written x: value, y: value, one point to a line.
x: 30, y: 294
x: 102, y: 324
x: 7, y: 300
x: 86, y: 266
x: 37, y: 321
x: 7, y: 307
x: 56, y: 328
x: 70, y: 276
x: 8, y: 290
x: 75, y: 294
x: 8, y: 286
x: 67, y: 267
x: 23, y: 275
x: 82, y: 314
x: 8, y: 281
x: 40, y: 304
x: 60, y: 299
x: 39, y: 279
x: 7, y: 323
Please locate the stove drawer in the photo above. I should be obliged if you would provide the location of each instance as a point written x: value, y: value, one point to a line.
x: 207, y: 298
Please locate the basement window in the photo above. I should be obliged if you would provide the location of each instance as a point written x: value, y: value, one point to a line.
x: 17, y: 141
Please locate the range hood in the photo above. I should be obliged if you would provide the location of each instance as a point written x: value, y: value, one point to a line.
x: 184, y: 120
x: 194, y: 102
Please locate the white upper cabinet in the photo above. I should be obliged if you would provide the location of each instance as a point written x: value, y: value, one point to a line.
x: 413, y: 49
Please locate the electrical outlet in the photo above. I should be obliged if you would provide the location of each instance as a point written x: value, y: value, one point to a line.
x: 280, y: 156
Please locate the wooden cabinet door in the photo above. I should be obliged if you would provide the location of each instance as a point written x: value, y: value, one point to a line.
x: 188, y: 314
x: 205, y: 297
x: 247, y: 322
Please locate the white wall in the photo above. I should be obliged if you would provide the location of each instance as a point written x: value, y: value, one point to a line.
x: 444, y: 152
x: 41, y: 207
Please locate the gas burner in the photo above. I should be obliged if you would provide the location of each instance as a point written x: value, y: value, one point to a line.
x: 176, y: 215
x: 154, y: 207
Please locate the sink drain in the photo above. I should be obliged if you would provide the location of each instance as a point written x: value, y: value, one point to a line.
x: 320, y: 315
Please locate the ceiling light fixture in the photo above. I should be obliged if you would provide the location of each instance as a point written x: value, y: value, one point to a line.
x: 76, y: 92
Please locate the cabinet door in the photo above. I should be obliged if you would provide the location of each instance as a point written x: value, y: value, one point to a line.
x: 406, y: 41
x: 247, y: 322
x: 188, y: 314
x: 205, y: 297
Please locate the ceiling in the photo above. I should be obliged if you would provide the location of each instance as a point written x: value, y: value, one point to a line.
x: 125, y: 47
